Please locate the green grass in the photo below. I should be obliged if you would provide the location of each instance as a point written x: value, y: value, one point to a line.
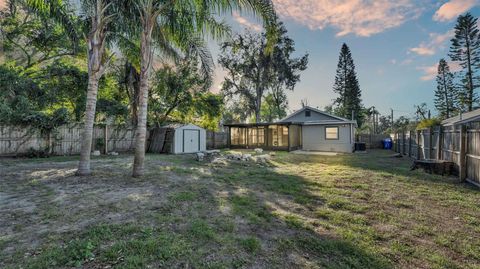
x: 346, y: 211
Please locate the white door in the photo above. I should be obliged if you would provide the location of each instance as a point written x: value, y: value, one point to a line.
x: 191, y: 141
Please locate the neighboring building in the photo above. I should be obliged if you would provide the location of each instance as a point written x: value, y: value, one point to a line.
x: 466, y: 117
x: 178, y: 138
x: 306, y: 129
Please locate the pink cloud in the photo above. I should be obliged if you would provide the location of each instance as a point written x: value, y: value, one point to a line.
x: 246, y: 23
x: 451, y: 9
x: 358, y: 17
x: 430, y: 72
x: 436, y: 42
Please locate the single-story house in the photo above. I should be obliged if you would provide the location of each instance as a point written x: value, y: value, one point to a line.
x: 307, y: 129
x: 177, y: 139
x: 462, y: 118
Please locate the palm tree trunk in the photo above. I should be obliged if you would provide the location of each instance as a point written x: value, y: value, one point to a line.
x: 145, y: 67
x: 87, y: 135
x: 96, y: 68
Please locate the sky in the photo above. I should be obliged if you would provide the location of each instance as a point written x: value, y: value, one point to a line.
x: 396, y: 46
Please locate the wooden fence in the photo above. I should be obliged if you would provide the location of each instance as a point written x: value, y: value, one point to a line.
x: 459, y: 144
x: 65, y: 140
x: 372, y: 141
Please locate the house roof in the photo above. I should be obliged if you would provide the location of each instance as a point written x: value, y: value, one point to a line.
x: 463, y: 118
x: 312, y: 109
x: 177, y: 125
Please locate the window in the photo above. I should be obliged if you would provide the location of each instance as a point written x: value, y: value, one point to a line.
x: 307, y: 113
x: 331, y: 133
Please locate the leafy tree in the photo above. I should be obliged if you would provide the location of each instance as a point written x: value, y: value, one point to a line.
x: 252, y: 71
x: 31, y: 39
x: 175, y: 89
x: 465, y: 49
x: 275, y: 106
x: 445, y: 94
x: 347, y: 87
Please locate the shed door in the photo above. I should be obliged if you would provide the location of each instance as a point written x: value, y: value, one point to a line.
x: 191, y: 141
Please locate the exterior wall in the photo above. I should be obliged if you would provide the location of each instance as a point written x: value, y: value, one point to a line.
x: 314, y: 116
x: 178, y: 140
x: 314, y: 138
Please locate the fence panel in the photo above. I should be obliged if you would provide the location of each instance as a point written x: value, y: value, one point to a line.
x: 217, y: 140
x: 65, y: 139
x: 473, y: 152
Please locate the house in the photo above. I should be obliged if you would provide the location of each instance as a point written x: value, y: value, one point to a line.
x: 462, y: 118
x: 307, y: 129
x: 177, y: 139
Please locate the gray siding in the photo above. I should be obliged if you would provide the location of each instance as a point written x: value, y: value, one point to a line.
x: 314, y: 116
x: 314, y: 138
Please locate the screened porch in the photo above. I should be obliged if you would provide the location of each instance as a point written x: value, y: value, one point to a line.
x: 266, y: 136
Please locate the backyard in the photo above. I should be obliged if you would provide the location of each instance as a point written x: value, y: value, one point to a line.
x: 298, y: 211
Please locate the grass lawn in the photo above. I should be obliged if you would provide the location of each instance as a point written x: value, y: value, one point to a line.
x: 348, y: 211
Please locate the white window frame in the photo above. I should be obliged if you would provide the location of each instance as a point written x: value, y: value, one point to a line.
x: 332, y: 127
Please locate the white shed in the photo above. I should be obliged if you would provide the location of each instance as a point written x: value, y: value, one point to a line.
x: 180, y: 138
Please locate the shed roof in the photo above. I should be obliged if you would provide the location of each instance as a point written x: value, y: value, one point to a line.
x: 473, y: 115
x: 178, y: 125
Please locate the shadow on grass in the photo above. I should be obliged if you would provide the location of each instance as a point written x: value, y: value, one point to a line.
x: 232, y: 216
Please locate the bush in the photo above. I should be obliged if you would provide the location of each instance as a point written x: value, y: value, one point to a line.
x: 427, y: 123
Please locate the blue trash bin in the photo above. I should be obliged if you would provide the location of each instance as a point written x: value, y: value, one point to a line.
x: 387, y: 143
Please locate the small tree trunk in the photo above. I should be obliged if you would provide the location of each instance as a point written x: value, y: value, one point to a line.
x: 145, y: 67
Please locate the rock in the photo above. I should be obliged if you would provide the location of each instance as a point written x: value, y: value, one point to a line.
x: 272, y: 153
x: 96, y: 153
x: 258, y: 150
x: 262, y: 158
x: 220, y: 160
x: 247, y: 157
x: 113, y: 153
x: 212, y: 152
x: 200, y: 156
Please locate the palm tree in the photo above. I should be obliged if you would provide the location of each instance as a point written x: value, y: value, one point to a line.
x: 173, y: 22
x: 98, y: 15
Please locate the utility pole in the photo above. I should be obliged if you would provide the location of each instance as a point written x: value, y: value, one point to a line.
x: 391, y: 110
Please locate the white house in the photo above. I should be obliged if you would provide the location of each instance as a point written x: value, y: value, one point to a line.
x: 307, y: 129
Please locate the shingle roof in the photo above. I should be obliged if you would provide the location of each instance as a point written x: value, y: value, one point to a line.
x: 463, y: 118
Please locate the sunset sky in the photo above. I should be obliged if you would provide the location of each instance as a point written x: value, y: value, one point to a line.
x: 395, y: 45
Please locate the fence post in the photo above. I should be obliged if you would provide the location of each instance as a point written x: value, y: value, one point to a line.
x: 463, y: 151
x: 439, y: 142
x: 106, y: 139
x: 409, y: 143
x: 430, y: 143
x: 419, y: 149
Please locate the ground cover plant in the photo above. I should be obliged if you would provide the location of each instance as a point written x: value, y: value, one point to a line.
x: 299, y: 211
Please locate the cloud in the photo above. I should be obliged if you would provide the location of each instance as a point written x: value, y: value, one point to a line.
x: 430, y: 72
x: 358, y: 17
x: 451, y: 9
x: 246, y: 23
x: 435, y: 42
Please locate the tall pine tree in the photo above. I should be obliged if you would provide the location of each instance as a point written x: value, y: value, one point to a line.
x: 445, y: 94
x: 465, y: 49
x: 346, y: 86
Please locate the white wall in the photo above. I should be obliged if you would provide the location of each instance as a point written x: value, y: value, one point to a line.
x: 314, y: 138
x: 178, y: 141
